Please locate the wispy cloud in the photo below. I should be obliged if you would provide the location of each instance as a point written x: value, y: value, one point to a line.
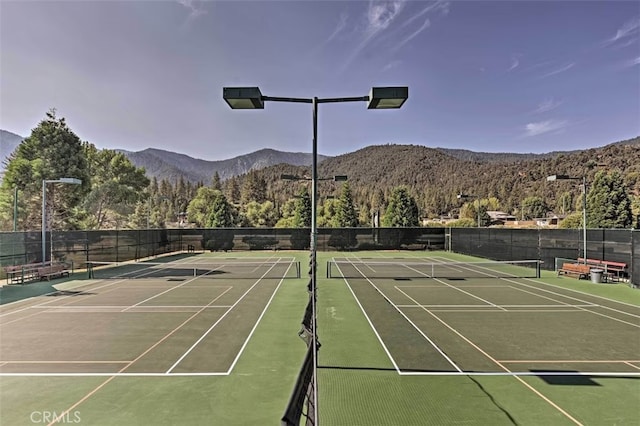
x: 194, y: 7
x: 547, y: 105
x: 541, y: 127
x: 424, y: 26
x: 383, y: 23
x: 378, y: 17
x: 627, y: 35
x: 633, y: 62
x: 628, y: 29
x: 558, y: 70
x: 515, y: 62
x: 441, y: 6
x: 342, y: 23
x: 392, y: 64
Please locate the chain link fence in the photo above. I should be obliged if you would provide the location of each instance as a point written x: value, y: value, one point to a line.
x: 80, y: 247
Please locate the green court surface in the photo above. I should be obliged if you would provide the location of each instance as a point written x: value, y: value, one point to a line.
x: 402, y: 348
x: 160, y: 348
x: 212, y: 339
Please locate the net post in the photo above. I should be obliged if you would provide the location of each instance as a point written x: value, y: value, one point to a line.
x: 538, y: 268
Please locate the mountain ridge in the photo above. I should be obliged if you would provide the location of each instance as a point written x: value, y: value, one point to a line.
x: 163, y: 164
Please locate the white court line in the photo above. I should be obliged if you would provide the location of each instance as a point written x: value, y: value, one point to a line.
x: 217, y: 322
x: 511, y: 311
x: 169, y: 289
x: 517, y: 374
x: 50, y: 301
x: 440, y: 351
x: 534, y: 390
x: 65, y: 362
x: 444, y: 260
x: 565, y: 361
x: 572, y: 298
x: 233, y: 364
x: 125, y: 306
x: 110, y: 375
x: 371, y: 324
x: 576, y: 299
x: 455, y: 288
x: 629, y: 363
x: 491, y: 307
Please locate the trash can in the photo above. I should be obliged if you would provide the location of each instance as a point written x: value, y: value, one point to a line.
x: 596, y: 276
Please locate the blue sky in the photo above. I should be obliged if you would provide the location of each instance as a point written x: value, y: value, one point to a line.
x: 503, y: 76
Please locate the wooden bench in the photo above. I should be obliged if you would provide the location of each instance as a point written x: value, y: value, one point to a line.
x: 19, y: 274
x: 611, y: 268
x: 52, y: 271
x: 579, y: 270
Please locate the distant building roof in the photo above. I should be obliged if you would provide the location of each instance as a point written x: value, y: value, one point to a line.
x: 498, y: 215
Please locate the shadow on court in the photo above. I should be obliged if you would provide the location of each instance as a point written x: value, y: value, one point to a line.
x: 14, y: 293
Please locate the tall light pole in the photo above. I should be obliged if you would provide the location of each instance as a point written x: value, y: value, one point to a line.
x: 72, y: 181
x: 554, y: 178
x: 467, y: 196
x: 252, y: 98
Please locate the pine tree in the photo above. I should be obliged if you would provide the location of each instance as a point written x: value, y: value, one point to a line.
x: 215, y: 182
x: 221, y: 215
x: 346, y: 216
x: 51, y: 152
x: 402, y: 210
x: 302, y: 215
x: 254, y: 188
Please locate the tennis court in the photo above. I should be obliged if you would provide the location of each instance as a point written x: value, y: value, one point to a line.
x: 177, y: 317
x: 425, y: 327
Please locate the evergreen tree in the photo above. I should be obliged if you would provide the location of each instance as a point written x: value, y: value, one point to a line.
x: 221, y: 215
x: 346, y: 213
x: 215, y: 182
x: 232, y: 190
x: 608, y: 204
x: 51, y: 152
x: 402, y: 210
x: 254, y: 188
x: 302, y: 215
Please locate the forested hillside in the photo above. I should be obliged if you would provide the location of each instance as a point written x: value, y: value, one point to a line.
x: 435, y: 178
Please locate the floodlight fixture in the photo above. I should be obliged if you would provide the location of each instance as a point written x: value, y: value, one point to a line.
x: 387, y: 97
x: 243, y: 97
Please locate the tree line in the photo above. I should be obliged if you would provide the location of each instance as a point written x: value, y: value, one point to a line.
x: 116, y: 194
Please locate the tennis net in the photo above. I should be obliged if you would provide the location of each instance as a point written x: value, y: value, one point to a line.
x: 222, y: 269
x: 447, y: 270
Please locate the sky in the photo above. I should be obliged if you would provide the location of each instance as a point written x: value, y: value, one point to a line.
x: 501, y: 76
